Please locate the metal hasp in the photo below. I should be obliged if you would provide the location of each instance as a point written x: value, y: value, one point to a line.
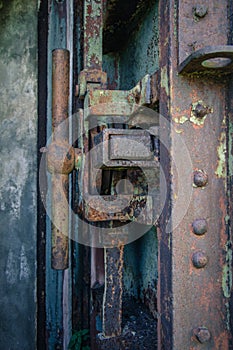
x: 195, y: 264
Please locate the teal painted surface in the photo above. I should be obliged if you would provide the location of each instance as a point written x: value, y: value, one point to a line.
x: 141, y: 266
x: 111, y: 67
x: 18, y: 150
x: 140, y: 57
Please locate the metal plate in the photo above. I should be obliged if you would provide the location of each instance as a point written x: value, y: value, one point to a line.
x: 124, y: 148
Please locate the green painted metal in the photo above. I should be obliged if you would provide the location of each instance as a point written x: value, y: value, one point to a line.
x: 18, y: 193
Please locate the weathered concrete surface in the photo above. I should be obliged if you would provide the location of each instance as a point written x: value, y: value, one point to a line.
x: 18, y: 123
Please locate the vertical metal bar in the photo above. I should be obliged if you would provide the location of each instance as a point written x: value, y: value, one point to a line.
x: 93, y: 24
x: 60, y: 182
x: 112, y: 308
x: 194, y: 251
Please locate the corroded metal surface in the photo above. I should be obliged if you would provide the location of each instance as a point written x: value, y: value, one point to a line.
x: 120, y: 208
x: 99, y: 102
x: 93, y: 24
x: 194, y: 285
x: 60, y: 225
x: 113, y: 106
x: 112, y: 312
x: 60, y: 181
x: 215, y: 60
x: 60, y: 86
x: 125, y: 148
x: 88, y: 76
x: 60, y: 157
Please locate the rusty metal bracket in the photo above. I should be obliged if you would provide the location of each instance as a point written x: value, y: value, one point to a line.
x: 211, y: 60
x: 120, y: 104
x: 87, y: 76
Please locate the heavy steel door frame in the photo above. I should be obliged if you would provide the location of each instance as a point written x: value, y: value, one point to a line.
x: 195, y: 241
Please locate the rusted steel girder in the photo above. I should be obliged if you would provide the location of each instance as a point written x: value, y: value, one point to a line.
x: 194, y: 245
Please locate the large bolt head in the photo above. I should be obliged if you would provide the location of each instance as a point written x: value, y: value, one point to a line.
x: 199, y: 259
x: 200, y: 178
x: 199, y: 227
x: 202, y: 334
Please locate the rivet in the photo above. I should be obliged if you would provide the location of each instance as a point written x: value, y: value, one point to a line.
x: 200, y: 178
x: 200, y: 11
x: 199, y: 227
x: 201, y: 110
x: 199, y: 259
x: 202, y: 334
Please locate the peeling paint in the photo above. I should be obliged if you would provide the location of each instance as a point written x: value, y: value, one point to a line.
x: 228, y: 316
x: 164, y: 79
x: 181, y: 120
x: 221, y: 150
x: 227, y: 271
x: 230, y: 140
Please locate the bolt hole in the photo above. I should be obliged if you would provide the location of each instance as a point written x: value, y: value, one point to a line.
x: 218, y: 62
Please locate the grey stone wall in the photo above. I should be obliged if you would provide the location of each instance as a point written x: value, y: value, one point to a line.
x: 18, y: 149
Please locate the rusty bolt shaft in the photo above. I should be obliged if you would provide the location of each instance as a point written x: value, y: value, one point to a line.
x: 63, y: 162
x: 60, y: 85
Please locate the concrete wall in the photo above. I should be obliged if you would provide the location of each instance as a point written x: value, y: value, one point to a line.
x: 18, y: 149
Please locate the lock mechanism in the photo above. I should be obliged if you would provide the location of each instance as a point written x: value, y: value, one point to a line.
x: 117, y: 161
x: 126, y: 146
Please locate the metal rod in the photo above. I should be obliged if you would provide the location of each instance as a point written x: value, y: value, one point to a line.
x: 60, y: 180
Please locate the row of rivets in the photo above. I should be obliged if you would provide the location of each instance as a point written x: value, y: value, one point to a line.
x: 199, y: 258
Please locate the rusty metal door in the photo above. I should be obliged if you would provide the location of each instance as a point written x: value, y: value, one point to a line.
x: 150, y: 153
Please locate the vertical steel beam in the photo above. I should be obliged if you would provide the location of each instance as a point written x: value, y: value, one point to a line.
x: 194, y: 285
x: 60, y: 179
x: 93, y: 25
